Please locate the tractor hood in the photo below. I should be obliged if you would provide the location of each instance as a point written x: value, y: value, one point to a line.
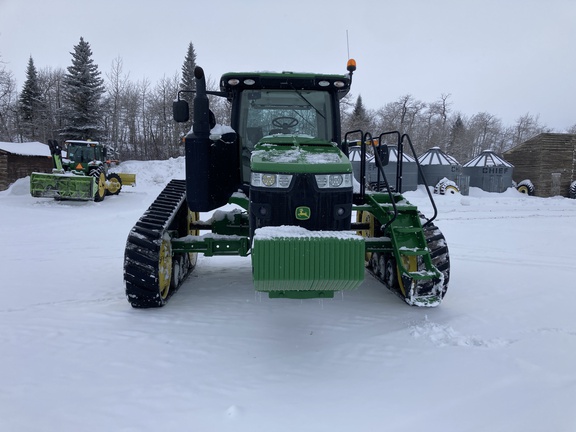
x: 298, y: 154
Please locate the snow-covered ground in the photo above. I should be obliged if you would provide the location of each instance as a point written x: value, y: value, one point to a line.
x: 498, y: 355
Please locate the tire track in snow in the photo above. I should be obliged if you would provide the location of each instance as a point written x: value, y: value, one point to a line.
x: 443, y: 335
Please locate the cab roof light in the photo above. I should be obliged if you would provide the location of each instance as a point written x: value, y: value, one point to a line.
x: 351, y: 65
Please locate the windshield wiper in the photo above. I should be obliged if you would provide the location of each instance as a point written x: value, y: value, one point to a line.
x: 308, y: 102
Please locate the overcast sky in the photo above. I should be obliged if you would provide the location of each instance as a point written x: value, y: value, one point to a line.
x: 504, y: 57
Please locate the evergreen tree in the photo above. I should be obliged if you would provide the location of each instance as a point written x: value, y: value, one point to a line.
x: 188, y: 82
x: 32, y: 106
x: 457, y: 142
x: 360, y: 119
x: 83, y: 89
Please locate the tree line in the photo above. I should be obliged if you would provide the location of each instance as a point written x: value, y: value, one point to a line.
x: 135, y: 118
x: 435, y: 124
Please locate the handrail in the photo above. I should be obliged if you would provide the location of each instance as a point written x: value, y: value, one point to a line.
x: 428, y: 221
x: 380, y: 168
x: 367, y: 137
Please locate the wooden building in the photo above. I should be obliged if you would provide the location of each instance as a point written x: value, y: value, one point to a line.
x: 18, y: 160
x: 548, y: 160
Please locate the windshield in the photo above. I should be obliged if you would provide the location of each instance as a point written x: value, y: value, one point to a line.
x: 81, y: 153
x: 270, y: 112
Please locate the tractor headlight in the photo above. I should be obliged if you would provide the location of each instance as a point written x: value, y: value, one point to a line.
x: 268, y: 180
x: 281, y: 181
x: 333, y: 181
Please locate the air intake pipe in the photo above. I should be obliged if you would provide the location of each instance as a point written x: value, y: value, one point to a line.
x: 201, y: 125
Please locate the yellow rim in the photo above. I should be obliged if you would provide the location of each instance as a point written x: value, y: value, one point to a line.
x: 101, y: 184
x: 451, y: 189
x: 410, y: 263
x: 366, y: 217
x: 114, y: 185
x: 164, y: 268
x: 524, y: 189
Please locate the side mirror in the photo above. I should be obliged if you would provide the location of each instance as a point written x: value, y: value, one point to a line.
x: 180, y: 111
x: 382, y: 155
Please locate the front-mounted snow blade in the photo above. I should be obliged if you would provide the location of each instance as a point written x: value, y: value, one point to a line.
x: 127, y: 179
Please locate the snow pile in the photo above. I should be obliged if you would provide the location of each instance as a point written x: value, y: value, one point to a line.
x: 19, y: 187
x: 154, y: 173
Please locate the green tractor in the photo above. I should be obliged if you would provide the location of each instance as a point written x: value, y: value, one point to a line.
x: 309, y: 228
x: 82, y: 175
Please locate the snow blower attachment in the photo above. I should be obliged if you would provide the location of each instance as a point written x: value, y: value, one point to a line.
x: 82, y: 176
x: 285, y: 166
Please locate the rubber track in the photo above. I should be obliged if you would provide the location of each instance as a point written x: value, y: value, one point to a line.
x: 141, y: 257
x: 438, y: 252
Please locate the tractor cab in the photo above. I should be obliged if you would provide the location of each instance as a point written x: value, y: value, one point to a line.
x: 283, y: 109
x: 84, y: 154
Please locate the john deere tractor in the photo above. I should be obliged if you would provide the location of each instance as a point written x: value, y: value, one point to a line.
x: 82, y: 175
x: 308, y: 227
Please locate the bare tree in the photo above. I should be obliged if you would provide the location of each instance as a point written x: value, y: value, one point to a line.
x: 116, y: 88
x: 432, y: 128
x: 526, y: 127
x: 8, y: 107
x: 483, y: 130
x: 50, y: 83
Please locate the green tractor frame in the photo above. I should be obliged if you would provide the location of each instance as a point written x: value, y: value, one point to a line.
x: 308, y: 227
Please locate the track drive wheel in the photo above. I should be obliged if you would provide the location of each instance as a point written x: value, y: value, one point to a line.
x: 367, y: 218
x: 184, y: 263
x: 113, y: 184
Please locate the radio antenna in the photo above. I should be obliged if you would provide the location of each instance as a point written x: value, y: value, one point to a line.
x: 347, y: 44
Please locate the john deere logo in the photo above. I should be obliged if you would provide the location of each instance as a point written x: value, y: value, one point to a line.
x: 303, y: 213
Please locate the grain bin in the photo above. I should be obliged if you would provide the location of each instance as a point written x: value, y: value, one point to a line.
x: 409, y: 168
x: 489, y: 172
